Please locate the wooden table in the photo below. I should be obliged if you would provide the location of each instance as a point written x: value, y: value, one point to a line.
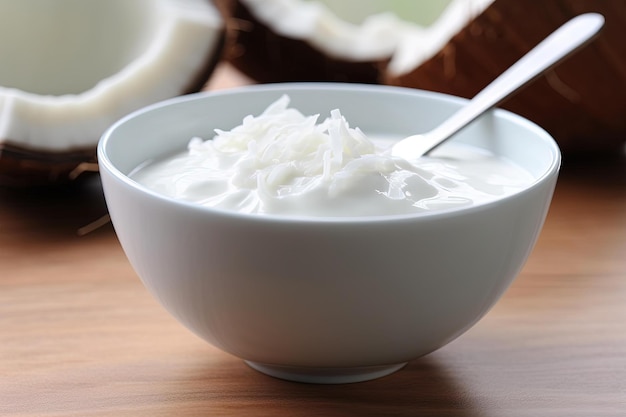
x: 80, y: 336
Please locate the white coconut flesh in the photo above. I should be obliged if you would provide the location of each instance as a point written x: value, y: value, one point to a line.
x: 313, y: 22
x: 70, y: 68
x: 406, y: 31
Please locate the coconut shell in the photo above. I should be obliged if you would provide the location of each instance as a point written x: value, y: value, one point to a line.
x: 581, y: 102
x: 26, y: 167
x: 267, y: 57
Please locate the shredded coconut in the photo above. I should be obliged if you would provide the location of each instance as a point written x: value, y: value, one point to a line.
x: 283, y: 162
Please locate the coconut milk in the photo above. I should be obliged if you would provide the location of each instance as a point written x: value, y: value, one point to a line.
x: 284, y: 163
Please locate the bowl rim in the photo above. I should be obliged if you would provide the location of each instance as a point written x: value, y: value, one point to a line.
x: 107, y: 165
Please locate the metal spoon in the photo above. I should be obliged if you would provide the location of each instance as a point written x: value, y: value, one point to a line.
x: 558, y: 45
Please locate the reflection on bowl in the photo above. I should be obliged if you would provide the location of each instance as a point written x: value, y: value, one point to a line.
x: 324, y: 300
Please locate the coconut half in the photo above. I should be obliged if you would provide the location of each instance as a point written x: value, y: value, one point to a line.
x: 326, y: 40
x: 73, y: 67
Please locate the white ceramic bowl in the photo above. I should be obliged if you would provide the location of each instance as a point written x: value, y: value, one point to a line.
x: 324, y: 300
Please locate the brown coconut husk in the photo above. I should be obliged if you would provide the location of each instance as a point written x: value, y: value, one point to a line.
x: 267, y: 57
x: 581, y: 102
x: 29, y: 167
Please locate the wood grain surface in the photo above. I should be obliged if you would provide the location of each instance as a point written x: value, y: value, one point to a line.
x: 80, y: 336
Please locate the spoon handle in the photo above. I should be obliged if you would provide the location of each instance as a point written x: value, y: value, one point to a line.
x: 558, y: 45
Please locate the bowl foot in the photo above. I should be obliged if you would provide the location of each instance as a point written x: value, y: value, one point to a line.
x: 325, y: 375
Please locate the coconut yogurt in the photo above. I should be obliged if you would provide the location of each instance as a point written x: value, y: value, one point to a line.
x: 282, y: 162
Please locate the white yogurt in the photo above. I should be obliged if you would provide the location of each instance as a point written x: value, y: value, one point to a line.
x: 282, y: 162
